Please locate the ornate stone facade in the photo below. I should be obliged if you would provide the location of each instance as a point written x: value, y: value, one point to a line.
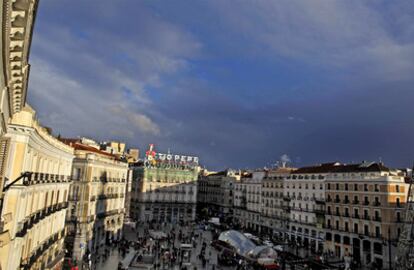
x: 34, y: 207
x: 96, y: 201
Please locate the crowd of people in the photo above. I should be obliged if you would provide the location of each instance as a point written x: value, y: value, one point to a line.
x: 173, y: 246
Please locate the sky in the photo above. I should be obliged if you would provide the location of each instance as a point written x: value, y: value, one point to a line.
x: 240, y: 84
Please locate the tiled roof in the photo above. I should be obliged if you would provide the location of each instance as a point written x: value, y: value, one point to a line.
x: 77, y: 145
x: 343, y: 168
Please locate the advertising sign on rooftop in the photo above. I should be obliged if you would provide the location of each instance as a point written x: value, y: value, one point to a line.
x: 153, y: 158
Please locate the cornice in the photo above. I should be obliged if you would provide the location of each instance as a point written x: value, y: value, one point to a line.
x: 17, y: 27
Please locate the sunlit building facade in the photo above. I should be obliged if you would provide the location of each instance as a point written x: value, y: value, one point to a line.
x: 17, y: 21
x: 34, y: 207
x: 364, y: 212
x: 96, y: 201
x: 164, y: 188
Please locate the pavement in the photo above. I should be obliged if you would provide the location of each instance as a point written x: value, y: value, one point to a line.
x: 111, y: 263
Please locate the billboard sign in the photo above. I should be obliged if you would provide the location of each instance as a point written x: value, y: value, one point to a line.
x: 153, y: 158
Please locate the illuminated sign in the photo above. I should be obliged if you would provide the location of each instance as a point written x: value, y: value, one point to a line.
x: 154, y: 158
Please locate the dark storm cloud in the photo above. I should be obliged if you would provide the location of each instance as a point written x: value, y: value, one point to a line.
x: 238, y: 85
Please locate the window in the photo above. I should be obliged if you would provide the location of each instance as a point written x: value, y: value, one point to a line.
x: 365, y: 187
x: 337, y: 211
x: 329, y: 186
x: 346, y: 186
x: 378, y: 248
x: 366, y: 201
x: 329, y: 223
x: 398, y: 217
x: 366, y: 230
x: 346, y: 212
x: 337, y: 186
x: 76, y: 173
x: 398, y: 202
x: 346, y: 227
x: 337, y: 224
x: 377, y: 216
x: 376, y: 188
x: 356, y: 187
x: 377, y: 231
x: 366, y: 215
x: 356, y: 228
x: 397, y: 188
x: 356, y: 214
x: 328, y: 237
x: 355, y: 199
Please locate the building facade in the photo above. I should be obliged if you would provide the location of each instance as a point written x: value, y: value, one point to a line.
x: 35, y: 206
x: 364, y: 212
x: 239, y: 203
x: 248, y: 200
x: 215, y: 193
x: 96, y: 202
x: 17, y: 20
x: 304, y: 198
x: 164, y: 188
x: 164, y: 194
x: 274, y: 220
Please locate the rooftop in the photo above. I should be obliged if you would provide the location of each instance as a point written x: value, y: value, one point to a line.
x: 337, y: 167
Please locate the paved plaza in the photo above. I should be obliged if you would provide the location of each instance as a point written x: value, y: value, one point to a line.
x: 182, y: 234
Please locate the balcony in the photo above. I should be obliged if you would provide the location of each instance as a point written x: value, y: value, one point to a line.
x: 366, y: 218
x: 286, y: 207
x: 319, y: 201
x: 355, y: 216
x: 346, y: 201
x: 355, y: 202
x: 27, y: 263
x: 377, y: 218
x: 376, y: 203
x: 286, y: 198
x: 34, y: 218
x: 319, y: 211
x: 43, y: 178
x: 366, y: 202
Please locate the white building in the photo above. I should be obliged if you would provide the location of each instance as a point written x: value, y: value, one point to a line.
x: 273, y: 217
x: 304, y: 196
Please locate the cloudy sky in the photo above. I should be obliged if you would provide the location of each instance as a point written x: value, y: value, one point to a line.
x: 238, y: 83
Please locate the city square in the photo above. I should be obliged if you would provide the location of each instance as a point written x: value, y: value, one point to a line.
x: 216, y: 135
